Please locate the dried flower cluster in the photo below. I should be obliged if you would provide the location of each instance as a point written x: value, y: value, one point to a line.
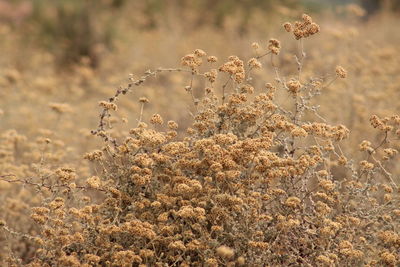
x: 302, y: 29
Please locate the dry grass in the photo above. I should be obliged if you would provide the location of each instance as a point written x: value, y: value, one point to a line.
x: 219, y: 162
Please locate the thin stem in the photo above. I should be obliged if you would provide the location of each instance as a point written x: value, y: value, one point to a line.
x: 141, y: 113
x: 263, y: 55
x: 223, y: 89
x: 195, y: 101
x: 302, y: 56
x: 326, y: 86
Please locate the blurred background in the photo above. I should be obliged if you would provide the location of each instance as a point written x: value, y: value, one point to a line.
x: 72, y: 30
x: 60, y: 57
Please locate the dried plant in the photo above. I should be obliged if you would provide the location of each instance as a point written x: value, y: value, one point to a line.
x: 252, y: 182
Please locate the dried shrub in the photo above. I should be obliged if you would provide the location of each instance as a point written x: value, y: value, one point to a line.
x: 251, y: 182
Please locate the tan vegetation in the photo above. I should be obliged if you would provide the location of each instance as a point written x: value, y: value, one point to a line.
x: 284, y: 155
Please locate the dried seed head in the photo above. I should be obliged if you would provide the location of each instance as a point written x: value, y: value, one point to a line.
x: 108, y: 105
x: 93, y: 182
x: 172, y: 125
x: 274, y: 46
x: 254, y: 63
x: 341, y: 72
x: 287, y: 26
x: 200, y: 53
x: 255, y: 45
x: 156, y: 119
x: 304, y: 28
x: 293, y: 86
x: 212, y: 59
x: 307, y: 19
x: 313, y: 29
x: 293, y: 202
x: 143, y: 100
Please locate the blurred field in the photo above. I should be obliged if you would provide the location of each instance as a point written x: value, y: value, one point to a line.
x: 32, y: 77
x: 60, y: 58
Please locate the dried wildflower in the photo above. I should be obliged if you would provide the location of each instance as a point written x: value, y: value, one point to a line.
x: 246, y: 89
x: 172, y: 125
x: 277, y: 191
x: 388, y: 258
x: 366, y: 165
x: 69, y: 261
x: 143, y: 100
x: 389, y: 237
x: 146, y: 253
x: 322, y: 208
x: 396, y: 212
x: 95, y: 155
x: 211, y: 75
x: 40, y: 210
x: 192, y: 60
x: 255, y: 45
x: 241, y: 260
x: 66, y: 175
x: 288, y: 224
x: 344, y: 245
x: 287, y: 26
x: 390, y: 152
x: 293, y: 86
x: 108, y: 105
x: 387, y: 188
x: 376, y: 122
x: 199, y: 53
x: 274, y: 46
x: 341, y: 72
x: 324, y: 260
x: 324, y: 197
x: 235, y: 68
x: 93, y: 182
x: 299, y: 132
x: 156, y: 119
x: 40, y: 219
x: 387, y: 197
x: 304, y: 28
x: 313, y: 28
x: 212, y: 59
x: 307, y: 19
x: 326, y: 184
x: 177, y: 245
x: 91, y: 258
x: 366, y: 146
x: 212, y: 262
x: 293, y: 202
x: 254, y: 63
x: 259, y: 245
x: 126, y: 258
x: 323, y: 173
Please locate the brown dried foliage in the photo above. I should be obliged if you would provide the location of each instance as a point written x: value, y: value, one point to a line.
x: 250, y: 183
